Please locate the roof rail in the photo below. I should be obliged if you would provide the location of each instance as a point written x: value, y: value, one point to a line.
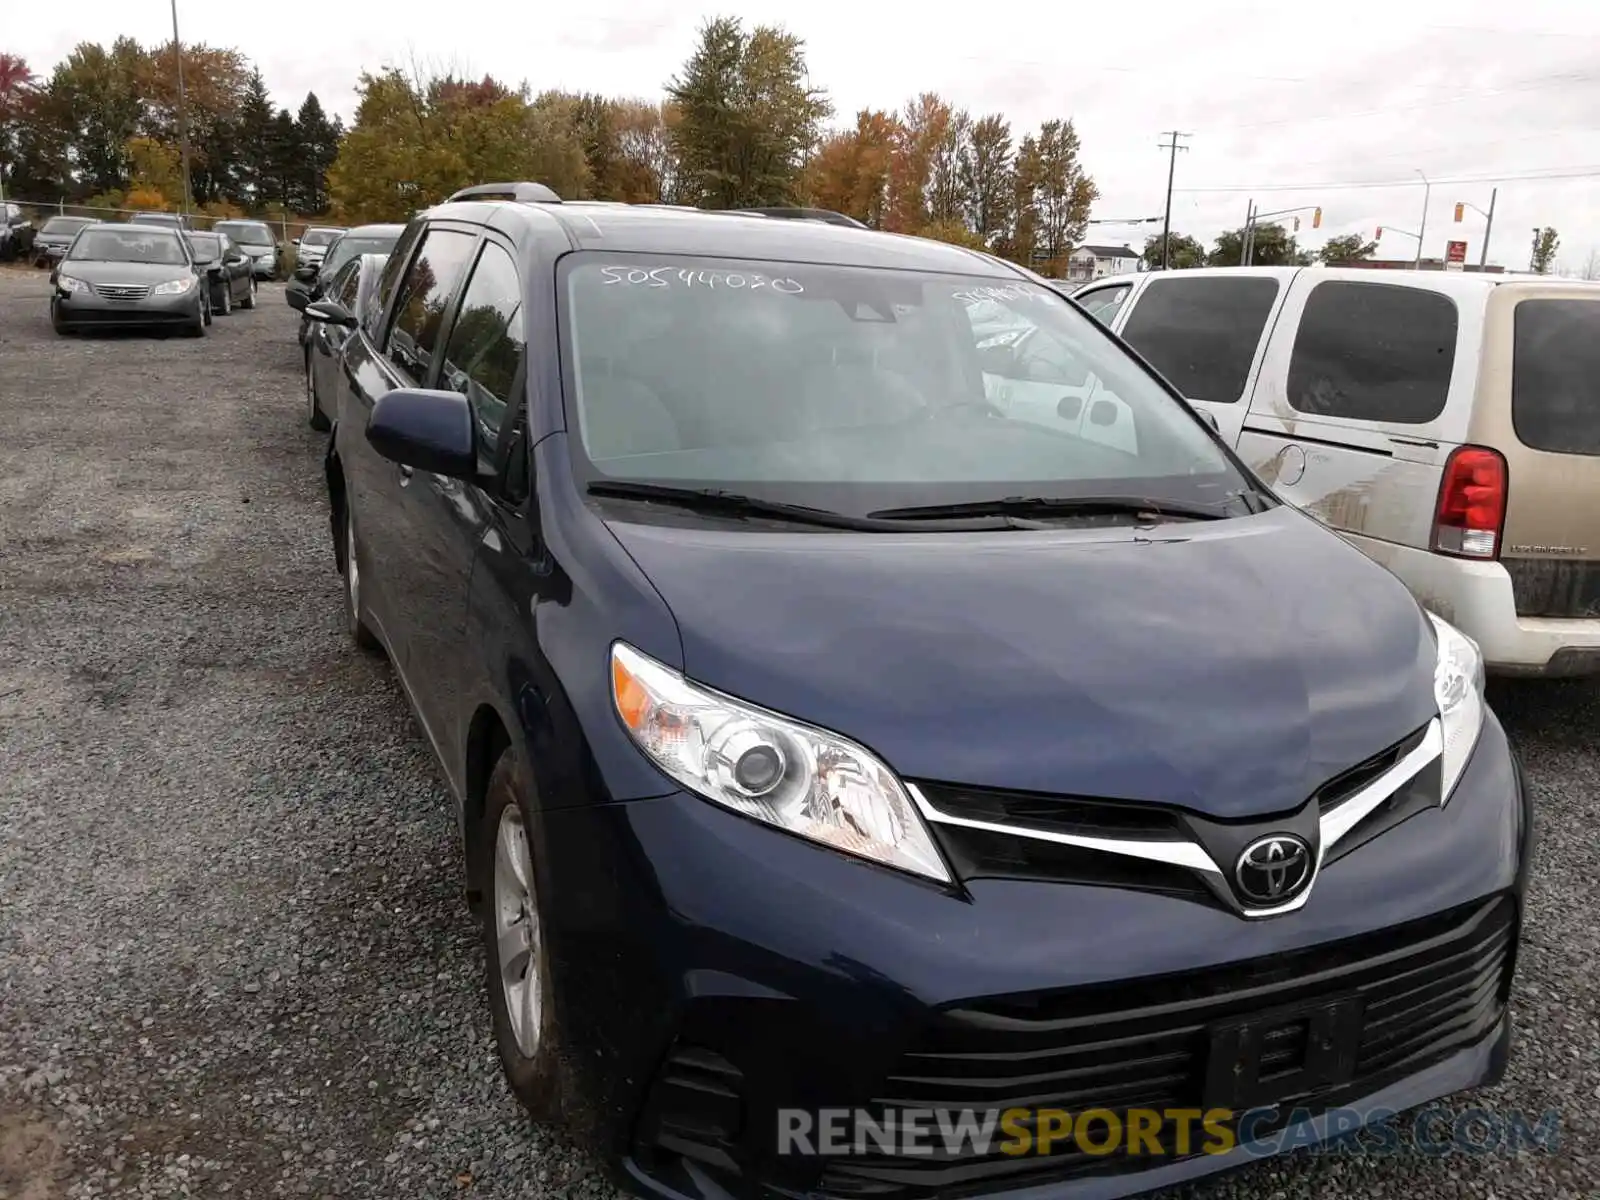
x: 531, y: 193
x: 801, y: 214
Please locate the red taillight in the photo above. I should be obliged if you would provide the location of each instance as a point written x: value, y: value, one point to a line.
x: 1472, y: 503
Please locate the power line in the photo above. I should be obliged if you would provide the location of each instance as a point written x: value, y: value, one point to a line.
x: 1550, y: 173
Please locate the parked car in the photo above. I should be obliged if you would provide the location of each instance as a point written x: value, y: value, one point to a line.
x: 313, y: 244
x: 129, y: 275
x: 259, y: 243
x: 307, y: 283
x: 53, y: 238
x: 228, y: 276
x: 352, y: 287
x: 165, y: 220
x: 16, y: 233
x: 1444, y: 423
x: 821, y: 734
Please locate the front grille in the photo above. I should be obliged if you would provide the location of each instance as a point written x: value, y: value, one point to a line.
x: 1554, y: 587
x: 123, y: 291
x: 1428, y: 989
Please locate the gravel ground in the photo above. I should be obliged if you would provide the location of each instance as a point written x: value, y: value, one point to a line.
x: 233, y: 955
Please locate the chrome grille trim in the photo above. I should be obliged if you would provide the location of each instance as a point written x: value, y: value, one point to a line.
x: 123, y: 291
x: 1333, y: 827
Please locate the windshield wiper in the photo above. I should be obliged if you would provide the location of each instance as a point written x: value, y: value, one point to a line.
x: 1057, y: 506
x: 734, y: 504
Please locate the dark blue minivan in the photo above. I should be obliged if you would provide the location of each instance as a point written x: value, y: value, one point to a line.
x: 875, y: 703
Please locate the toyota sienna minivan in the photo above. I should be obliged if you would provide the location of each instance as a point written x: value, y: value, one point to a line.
x: 867, y: 689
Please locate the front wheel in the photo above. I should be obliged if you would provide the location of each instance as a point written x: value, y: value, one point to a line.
x: 227, y: 299
x: 250, y: 298
x: 515, y: 945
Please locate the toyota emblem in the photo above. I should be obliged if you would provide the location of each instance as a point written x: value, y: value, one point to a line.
x: 1273, y: 870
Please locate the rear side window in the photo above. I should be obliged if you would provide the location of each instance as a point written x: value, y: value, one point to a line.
x: 1102, y: 304
x: 1555, y: 375
x: 425, y: 292
x: 392, y: 271
x: 1373, y: 352
x: 1202, y: 333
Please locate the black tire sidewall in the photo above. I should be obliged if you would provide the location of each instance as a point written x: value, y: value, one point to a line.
x: 537, y: 1081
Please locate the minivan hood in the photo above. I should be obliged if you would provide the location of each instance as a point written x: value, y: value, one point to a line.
x: 1230, y: 668
x: 115, y: 272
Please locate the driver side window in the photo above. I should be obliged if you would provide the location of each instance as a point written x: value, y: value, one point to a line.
x: 1034, y: 375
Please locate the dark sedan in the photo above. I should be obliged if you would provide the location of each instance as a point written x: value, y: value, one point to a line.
x: 54, y: 236
x: 258, y: 241
x: 310, y: 283
x: 129, y: 275
x: 229, y: 279
x: 351, y: 287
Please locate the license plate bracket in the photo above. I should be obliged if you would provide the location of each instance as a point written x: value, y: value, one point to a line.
x: 1321, y: 1039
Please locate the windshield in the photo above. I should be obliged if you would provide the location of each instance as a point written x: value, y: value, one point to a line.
x: 64, y: 225
x: 856, y: 389
x: 246, y: 233
x: 319, y: 237
x: 131, y: 245
x: 205, y: 246
x: 348, y: 247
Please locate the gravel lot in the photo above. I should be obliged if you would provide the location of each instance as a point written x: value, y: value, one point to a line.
x: 233, y: 955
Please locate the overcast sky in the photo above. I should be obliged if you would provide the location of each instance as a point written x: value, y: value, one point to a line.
x: 1292, y: 104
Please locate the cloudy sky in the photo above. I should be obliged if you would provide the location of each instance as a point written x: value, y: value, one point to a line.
x: 1306, y: 103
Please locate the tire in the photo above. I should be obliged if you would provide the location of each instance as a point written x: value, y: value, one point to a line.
x: 205, y: 311
x: 198, y: 329
x: 227, y: 298
x: 354, y: 608
x: 521, y: 999
x: 315, y: 417
x: 250, y: 300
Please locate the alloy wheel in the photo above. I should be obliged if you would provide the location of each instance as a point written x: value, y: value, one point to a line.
x: 352, y: 568
x: 516, y: 927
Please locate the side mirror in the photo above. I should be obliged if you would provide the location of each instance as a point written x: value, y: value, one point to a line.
x: 295, y: 242
x: 305, y: 274
x: 297, y: 300
x: 332, y: 312
x: 429, y: 430
x: 1209, y: 417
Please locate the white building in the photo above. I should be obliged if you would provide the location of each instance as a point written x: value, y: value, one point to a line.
x: 1096, y: 262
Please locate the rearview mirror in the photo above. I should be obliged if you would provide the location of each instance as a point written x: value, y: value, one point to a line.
x: 332, y: 312
x: 429, y: 430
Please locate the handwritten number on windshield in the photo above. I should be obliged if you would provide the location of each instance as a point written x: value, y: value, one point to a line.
x: 665, y: 277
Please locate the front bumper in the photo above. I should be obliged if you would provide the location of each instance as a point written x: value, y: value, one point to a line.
x: 711, y: 971
x: 76, y: 309
x: 265, y: 267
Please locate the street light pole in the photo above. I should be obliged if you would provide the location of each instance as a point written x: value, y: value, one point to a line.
x: 1488, y: 224
x: 1422, y: 229
x: 1166, y: 222
x: 183, y: 108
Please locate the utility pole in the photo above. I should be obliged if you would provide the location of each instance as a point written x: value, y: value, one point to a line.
x: 1244, y: 238
x: 183, y: 108
x: 1422, y: 229
x: 1172, y: 147
x: 1488, y: 224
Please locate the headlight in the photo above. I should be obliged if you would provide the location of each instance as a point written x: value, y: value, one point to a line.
x: 1458, y: 688
x: 174, y: 287
x: 757, y: 763
x: 68, y: 284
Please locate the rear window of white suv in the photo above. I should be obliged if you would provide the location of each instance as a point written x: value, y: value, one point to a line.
x: 1555, y: 375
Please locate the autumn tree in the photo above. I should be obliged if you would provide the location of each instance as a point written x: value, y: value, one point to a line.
x: 1185, y: 252
x: 850, y: 173
x: 987, y: 174
x: 922, y: 128
x: 1053, y: 191
x: 16, y: 94
x: 1545, y: 243
x: 747, y: 116
x: 1350, y: 248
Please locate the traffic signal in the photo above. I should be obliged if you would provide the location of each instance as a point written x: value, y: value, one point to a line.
x: 1316, y: 219
x: 1378, y: 237
x: 1460, y: 208
x: 1297, y: 224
